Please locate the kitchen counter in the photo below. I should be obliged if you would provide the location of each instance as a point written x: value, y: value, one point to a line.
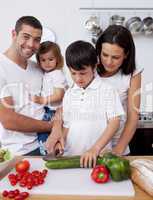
x: 145, y: 124
x: 139, y: 194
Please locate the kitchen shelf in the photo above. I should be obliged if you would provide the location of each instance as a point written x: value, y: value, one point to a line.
x: 116, y: 9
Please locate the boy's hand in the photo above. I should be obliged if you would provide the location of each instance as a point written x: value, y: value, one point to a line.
x: 89, y: 158
x: 54, y: 141
x: 58, y: 149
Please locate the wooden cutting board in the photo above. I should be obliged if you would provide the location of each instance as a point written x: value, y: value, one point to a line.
x: 72, y: 182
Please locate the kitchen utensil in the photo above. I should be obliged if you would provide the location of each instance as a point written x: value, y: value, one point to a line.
x: 93, y: 27
x: 54, y: 156
x: 117, y: 19
x: 148, y: 25
x: 48, y: 35
x: 92, y: 24
x: 72, y: 182
x: 135, y: 25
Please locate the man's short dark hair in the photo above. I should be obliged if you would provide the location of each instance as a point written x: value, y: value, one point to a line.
x: 27, y: 20
x: 80, y: 54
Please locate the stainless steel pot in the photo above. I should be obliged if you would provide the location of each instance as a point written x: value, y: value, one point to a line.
x: 117, y: 19
x: 92, y: 25
x: 135, y: 25
x: 148, y: 25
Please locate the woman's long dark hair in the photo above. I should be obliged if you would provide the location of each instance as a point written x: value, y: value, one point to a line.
x: 116, y: 34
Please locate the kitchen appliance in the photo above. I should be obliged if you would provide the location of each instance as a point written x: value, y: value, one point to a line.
x: 73, y: 182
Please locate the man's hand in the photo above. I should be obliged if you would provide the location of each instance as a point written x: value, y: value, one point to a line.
x: 89, y: 158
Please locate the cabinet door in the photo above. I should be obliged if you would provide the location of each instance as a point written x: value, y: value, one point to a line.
x: 142, y: 142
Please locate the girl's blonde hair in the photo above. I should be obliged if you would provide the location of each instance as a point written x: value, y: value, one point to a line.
x: 54, y: 47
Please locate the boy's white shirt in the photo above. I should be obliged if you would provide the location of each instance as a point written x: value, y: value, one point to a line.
x: 86, y: 113
x: 51, y: 80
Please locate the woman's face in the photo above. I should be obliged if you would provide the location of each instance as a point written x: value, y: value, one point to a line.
x: 112, y: 57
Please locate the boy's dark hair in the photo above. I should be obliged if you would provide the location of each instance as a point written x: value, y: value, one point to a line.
x: 80, y: 54
x: 27, y: 20
x: 54, y: 47
x: 117, y: 34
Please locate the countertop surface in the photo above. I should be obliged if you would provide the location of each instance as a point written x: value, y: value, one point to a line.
x: 139, y: 194
x: 145, y: 124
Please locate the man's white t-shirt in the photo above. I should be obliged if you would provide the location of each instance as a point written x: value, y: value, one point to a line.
x: 51, y: 80
x: 86, y: 113
x: 18, y: 83
x: 121, y: 83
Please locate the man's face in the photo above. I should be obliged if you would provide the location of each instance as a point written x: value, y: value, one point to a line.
x: 82, y: 77
x: 26, y: 42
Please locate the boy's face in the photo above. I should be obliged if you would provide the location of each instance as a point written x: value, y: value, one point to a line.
x: 27, y: 41
x: 82, y: 77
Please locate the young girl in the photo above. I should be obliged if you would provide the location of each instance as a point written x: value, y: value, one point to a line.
x: 54, y: 84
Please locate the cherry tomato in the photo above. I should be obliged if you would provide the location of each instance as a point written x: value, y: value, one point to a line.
x: 11, y: 194
x: 24, y: 194
x: 22, y: 166
x: 5, y: 193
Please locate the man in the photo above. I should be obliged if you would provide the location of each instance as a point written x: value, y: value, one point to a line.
x: 17, y: 76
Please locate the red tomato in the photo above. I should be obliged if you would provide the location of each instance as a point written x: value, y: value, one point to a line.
x: 22, y: 166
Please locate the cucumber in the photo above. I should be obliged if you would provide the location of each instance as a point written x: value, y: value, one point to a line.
x: 64, y: 163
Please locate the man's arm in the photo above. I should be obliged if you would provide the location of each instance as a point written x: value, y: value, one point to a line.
x: 17, y: 122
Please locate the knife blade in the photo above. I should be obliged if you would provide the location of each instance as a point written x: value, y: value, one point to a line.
x: 53, y: 156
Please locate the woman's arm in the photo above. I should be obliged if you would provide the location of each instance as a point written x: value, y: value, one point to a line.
x: 132, y: 115
x: 57, y: 96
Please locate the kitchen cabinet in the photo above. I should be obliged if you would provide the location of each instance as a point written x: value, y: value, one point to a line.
x: 142, y: 142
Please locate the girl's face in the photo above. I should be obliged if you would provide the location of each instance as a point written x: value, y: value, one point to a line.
x: 48, y: 61
x: 112, y: 57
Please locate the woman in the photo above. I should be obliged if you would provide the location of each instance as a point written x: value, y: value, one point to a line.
x: 116, y: 51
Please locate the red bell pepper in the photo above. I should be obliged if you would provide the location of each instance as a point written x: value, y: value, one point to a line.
x: 100, y: 174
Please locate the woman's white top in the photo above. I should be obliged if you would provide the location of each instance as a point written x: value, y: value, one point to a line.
x: 121, y: 83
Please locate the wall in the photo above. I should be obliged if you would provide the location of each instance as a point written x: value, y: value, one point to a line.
x: 67, y: 21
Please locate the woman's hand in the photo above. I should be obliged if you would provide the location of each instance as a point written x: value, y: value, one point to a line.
x: 89, y: 158
x: 117, y: 150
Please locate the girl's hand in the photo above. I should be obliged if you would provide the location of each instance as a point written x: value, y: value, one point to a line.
x: 37, y: 99
x: 89, y: 158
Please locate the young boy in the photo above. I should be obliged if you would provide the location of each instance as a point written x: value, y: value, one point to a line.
x: 91, y: 108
